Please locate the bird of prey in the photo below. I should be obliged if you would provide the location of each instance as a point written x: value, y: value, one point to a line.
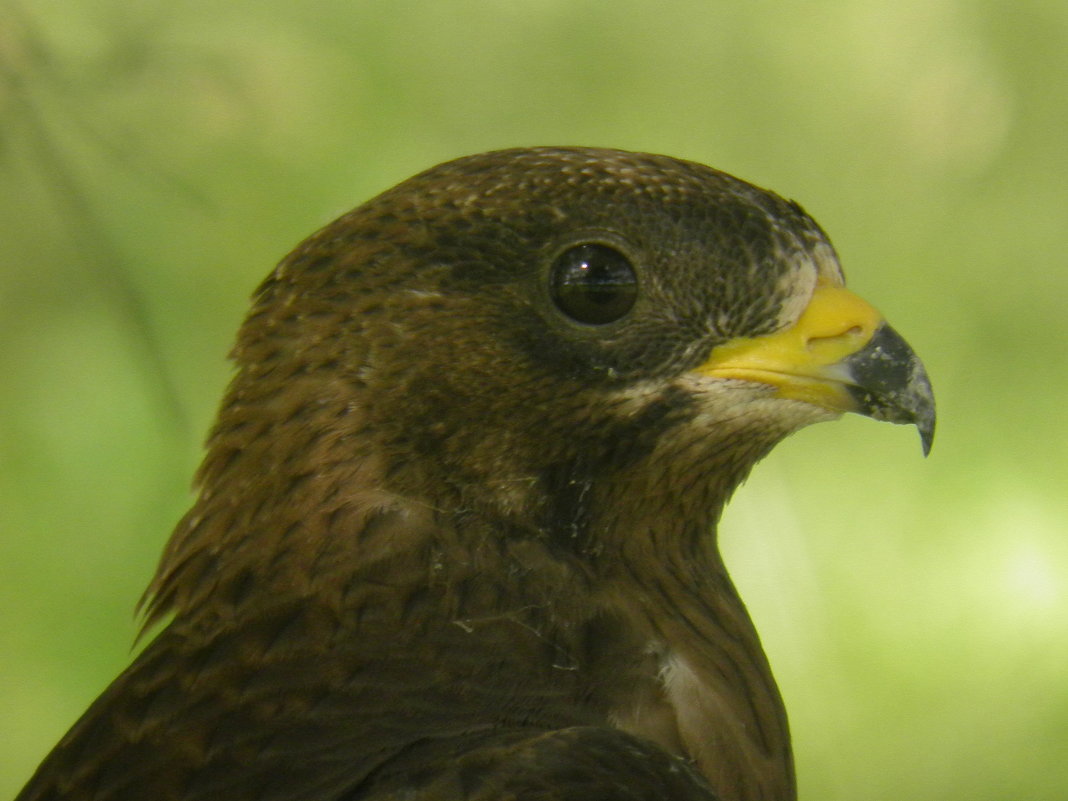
x: 455, y: 530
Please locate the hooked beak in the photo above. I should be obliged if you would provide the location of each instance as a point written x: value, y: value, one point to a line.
x: 840, y: 355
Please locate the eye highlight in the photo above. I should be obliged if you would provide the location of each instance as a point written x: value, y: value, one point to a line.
x: 593, y: 284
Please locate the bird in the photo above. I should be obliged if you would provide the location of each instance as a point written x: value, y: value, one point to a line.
x: 455, y: 528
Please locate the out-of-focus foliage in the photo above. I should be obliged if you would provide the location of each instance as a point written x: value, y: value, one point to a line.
x: 156, y: 159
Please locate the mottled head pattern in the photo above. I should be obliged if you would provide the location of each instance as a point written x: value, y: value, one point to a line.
x: 413, y: 344
x: 717, y: 257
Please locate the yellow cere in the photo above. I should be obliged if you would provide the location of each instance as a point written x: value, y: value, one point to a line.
x: 804, y: 361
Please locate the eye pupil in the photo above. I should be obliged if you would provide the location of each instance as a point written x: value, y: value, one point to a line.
x: 593, y: 284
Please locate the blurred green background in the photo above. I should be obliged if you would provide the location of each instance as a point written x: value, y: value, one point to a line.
x: 156, y: 159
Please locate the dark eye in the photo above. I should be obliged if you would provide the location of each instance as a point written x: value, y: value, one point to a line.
x: 593, y: 284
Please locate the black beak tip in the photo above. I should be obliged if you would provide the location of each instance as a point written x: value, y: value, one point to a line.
x: 890, y: 384
x: 921, y: 404
x: 926, y: 429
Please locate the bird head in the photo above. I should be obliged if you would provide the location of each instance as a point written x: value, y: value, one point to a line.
x: 506, y: 334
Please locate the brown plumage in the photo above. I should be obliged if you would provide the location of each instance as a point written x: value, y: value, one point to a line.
x: 455, y: 535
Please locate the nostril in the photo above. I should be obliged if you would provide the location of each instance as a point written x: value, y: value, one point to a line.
x: 849, y: 333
